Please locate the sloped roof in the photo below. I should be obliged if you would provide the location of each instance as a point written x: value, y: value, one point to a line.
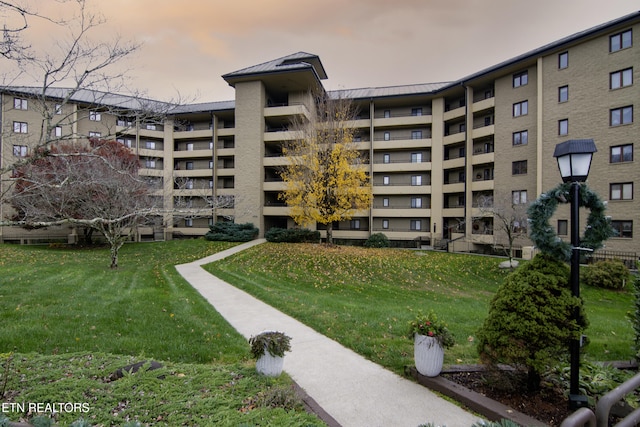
x: 384, y: 91
x: 297, y: 61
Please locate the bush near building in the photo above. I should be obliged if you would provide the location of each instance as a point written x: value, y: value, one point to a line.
x: 231, y: 232
x: 608, y: 274
x: 377, y: 240
x: 292, y: 235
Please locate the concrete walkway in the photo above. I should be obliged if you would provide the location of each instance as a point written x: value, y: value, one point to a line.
x: 353, y: 390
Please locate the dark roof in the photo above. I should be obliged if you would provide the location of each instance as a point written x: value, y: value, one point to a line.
x: 295, y: 62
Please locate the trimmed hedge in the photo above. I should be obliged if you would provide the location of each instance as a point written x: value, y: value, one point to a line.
x: 231, y: 232
x: 377, y: 240
x: 608, y: 274
x: 292, y: 235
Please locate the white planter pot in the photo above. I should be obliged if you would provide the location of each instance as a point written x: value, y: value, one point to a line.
x: 428, y: 355
x: 269, y: 365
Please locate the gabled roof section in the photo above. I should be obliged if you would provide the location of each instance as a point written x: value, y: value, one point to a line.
x: 300, y: 61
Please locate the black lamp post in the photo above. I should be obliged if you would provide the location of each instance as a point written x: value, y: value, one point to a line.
x: 574, y: 161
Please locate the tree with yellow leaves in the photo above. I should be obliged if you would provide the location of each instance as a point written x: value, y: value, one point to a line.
x: 326, y: 181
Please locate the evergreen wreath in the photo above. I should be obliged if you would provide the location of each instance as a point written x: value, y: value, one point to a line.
x: 544, y: 236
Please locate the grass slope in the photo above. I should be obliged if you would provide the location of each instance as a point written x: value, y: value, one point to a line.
x: 364, y: 298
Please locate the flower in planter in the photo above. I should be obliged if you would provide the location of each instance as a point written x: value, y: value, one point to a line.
x: 429, y: 325
x: 274, y: 342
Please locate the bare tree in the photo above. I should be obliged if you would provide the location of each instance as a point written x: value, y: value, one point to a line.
x: 509, y: 215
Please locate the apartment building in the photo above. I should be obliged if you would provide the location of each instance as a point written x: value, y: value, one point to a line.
x: 434, y: 151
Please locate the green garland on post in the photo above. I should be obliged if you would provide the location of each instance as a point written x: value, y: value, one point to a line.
x: 544, y: 235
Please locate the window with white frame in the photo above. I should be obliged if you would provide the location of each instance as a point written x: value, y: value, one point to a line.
x: 385, y: 202
x: 190, y: 146
x: 150, y: 145
x: 621, y: 191
x: 621, y: 78
x: 385, y: 224
x: 95, y: 134
x: 20, y: 150
x: 385, y: 180
x: 210, y: 164
x: 58, y: 109
x: 126, y: 142
x: 150, y: 126
x: 416, y: 134
x: 386, y: 158
x: 188, y: 222
x: 387, y: 136
x: 57, y: 131
x: 20, y: 127
x: 416, y: 180
x: 416, y: 202
x: 415, y: 225
x: 95, y: 116
x: 416, y: 111
x: 416, y: 157
x: 150, y: 163
x: 19, y: 103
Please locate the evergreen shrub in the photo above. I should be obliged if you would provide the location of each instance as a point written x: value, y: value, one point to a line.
x: 608, y: 274
x: 292, y: 235
x: 231, y: 232
x: 530, y: 321
x: 377, y: 240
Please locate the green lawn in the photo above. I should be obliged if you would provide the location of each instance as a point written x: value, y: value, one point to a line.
x: 364, y: 298
x: 68, y: 321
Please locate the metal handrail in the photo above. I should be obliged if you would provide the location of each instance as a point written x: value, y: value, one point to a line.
x: 603, y: 407
x: 581, y: 417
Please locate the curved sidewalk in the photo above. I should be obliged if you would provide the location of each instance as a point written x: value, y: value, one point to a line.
x: 353, y: 390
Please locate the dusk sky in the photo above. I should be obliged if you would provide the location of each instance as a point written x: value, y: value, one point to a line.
x: 187, y: 45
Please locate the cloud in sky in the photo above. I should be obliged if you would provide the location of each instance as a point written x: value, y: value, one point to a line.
x: 188, y: 45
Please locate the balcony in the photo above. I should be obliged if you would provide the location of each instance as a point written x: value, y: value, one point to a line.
x: 401, y: 189
x: 401, y: 166
x: 184, y: 154
x: 402, y: 120
x: 286, y: 110
x: 193, y: 134
x: 484, y: 104
x: 390, y: 144
x: 405, y: 212
x: 483, y: 131
x: 454, y: 114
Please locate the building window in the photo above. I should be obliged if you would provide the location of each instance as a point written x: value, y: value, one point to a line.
x: 416, y: 157
x: 58, y: 109
x: 188, y: 222
x: 519, y: 167
x: 415, y: 225
x: 621, y: 191
x: 355, y: 224
x: 387, y: 136
x: 416, y: 134
x: 519, y: 197
x: 520, y: 79
x: 563, y: 60
x: 621, y: 153
x: 621, y: 116
x: 416, y: 180
x: 386, y: 158
x: 150, y: 145
x: 19, y: 103
x: 563, y: 93
x: 563, y: 127
x: 150, y: 126
x: 57, y: 131
x: 416, y: 202
x: 385, y: 224
x: 189, y: 184
x: 620, y: 41
x: 126, y: 142
x: 416, y: 111
x: 385, y: 202
x: 20, y: 127
x: 385, y: 180
x: 20, y: 150
x: 94, y: 134
x: 621, y: 78
x: 189, y: 166
x: 521, y: 138
x: 150, y: 164
x: 520, y: 108
x: 190, y: 146
x: 563, y: 227
x: 623, y: 228
x: 210, y: 164
x: 95, y: 116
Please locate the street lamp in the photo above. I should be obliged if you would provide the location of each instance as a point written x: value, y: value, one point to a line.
x: 574, y: 161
